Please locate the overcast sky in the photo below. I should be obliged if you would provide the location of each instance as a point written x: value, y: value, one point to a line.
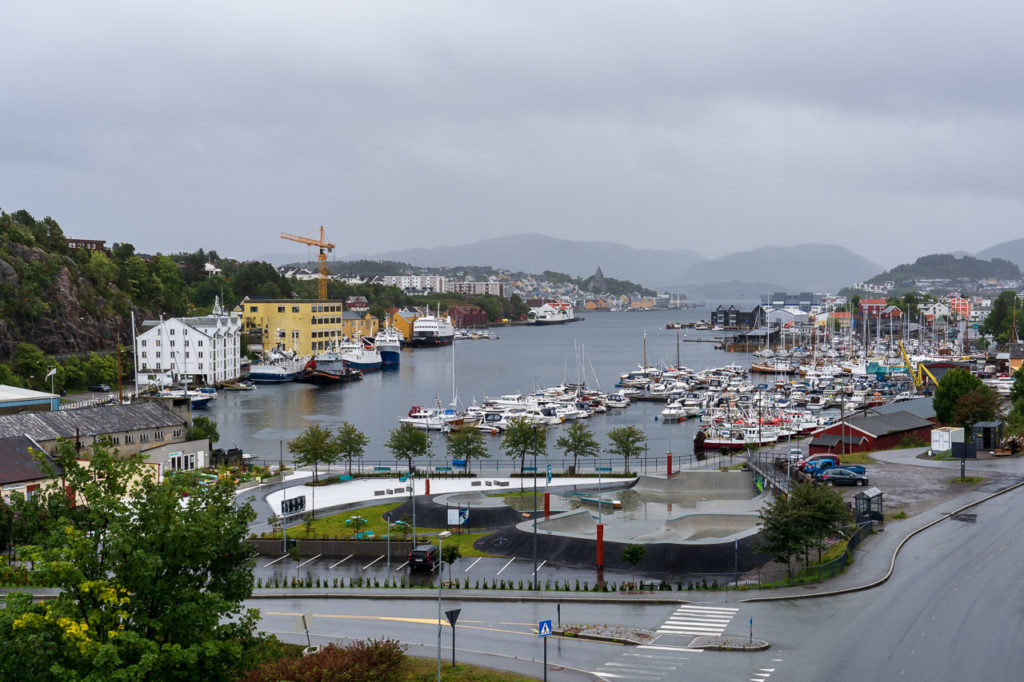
x: 891, y: 128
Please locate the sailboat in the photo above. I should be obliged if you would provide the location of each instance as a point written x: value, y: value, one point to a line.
x: 440, y: 418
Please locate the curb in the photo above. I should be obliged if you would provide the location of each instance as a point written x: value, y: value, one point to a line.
x: 892, y: 561
x: 597, y: 638
x: 487, y: 597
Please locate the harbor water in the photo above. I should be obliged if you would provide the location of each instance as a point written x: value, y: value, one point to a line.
x: 522, y: 360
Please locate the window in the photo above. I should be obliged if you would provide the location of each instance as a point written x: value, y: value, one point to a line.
x: 158, y: 342
x: 177, y: 433
x: 200, y: 354
x: 186, y: 342
x: 199, y: 343
x: 171, y: 332
x: 172, y: 344
x: 143, y: 437
x: 129, y: 438
x: 253, y: 309
x: 295, y: 308
x: 159, y: 435
x: 143, y: 342
x: 280, y: 308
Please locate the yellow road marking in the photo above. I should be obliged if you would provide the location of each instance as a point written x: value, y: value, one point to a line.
x: 422, y: 621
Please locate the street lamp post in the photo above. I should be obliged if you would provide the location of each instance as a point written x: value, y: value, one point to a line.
x: 534, y: 506
x: 388, y: 582
x: 440, y: 548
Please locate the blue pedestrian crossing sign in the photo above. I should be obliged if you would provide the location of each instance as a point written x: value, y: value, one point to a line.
x: 544, y: 628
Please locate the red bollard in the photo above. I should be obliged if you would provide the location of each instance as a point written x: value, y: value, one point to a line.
x: 669, y: 474
x: 547, y: 505
x: 428, y: 486
x: 600, y: 545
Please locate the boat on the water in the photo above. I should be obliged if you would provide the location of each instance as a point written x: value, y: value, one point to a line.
x: 552, y: 313
x: 388, y: 343
x: 277, y: 367
x: 361, y: 355
x: 429, y: 331
x: 239, y: 386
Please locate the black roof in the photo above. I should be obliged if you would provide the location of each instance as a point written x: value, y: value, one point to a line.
x: 883, y: 424
x: 922, y: 407
x: 17, y: 465
x: 103, y: 419
x: 828, y: 440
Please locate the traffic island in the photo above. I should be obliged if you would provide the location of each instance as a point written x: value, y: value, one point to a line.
x: 617, y: 634
x: 727, y: 643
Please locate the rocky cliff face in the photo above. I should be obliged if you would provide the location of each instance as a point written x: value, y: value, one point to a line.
x: 64, y: 312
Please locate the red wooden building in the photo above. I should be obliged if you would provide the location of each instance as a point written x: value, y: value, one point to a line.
x: 868, y: 432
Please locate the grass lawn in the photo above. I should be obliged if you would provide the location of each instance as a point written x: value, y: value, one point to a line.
x: 968, y: 481
x: 334, y: 527
x: 856, y: 458
x: 425, y: 670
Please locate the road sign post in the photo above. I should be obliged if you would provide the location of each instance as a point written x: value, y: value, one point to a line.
x: 544, y: 631
x: 453, y: 616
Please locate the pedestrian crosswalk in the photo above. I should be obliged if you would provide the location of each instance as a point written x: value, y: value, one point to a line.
x: 698, y: 620
x: 646, y: 663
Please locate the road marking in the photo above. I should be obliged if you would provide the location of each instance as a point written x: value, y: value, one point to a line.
x: 343, y: 560
x: 506, y: 565
x: 473, y: 564
x: 402, y: 566
x: 540, y: 567
x: 275, y: 560
x: 309, y: 561
x: 698, y: 620
x: 670, y: 648
x: 373, y: 562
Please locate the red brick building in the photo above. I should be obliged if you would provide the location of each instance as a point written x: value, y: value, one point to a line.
x: 467, y: 316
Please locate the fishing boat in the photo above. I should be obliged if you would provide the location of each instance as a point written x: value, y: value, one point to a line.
x: 388, y: 343
x: 239, y: 386
x: 361, y: 355
x: 277, y: 367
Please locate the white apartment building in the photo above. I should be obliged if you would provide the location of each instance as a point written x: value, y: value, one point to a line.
x: 416, y: 282
x: 475, y: 288
x: 199, y: 350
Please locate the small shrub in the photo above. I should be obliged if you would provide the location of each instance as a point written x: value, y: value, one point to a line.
x: 374, y: 659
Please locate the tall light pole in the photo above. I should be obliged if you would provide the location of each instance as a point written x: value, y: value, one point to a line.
x: 440, y: 548
x: 388, y: 583
x: 534, y: 506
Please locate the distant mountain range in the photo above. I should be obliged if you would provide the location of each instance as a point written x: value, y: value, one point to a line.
x: 1012, y: 251
x: 535, y: 253
x: 806, y: 267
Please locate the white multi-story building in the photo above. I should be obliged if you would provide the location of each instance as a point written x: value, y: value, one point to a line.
x: 199, y: 350
x: 416, y: 282
x: 475, y: 288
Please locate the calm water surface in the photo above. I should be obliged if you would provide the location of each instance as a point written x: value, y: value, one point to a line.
x: 522, y: 360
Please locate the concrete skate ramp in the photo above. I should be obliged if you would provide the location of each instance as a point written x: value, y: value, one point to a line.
x: 691, y: 487
x: 717, y: 526
x: 475, y: 499
x: 578, y: 522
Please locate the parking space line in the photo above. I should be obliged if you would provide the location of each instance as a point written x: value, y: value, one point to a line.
x: 343, y: 560
x: 373, y: 562
x: 402, y: 566
x: 473, y: 564
x: 309, y: 560
x: 505, y: 566
x: 275, y: 560
x: 540, y: 567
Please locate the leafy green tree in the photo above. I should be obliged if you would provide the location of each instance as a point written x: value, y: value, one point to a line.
x: 1001, y: 318
x: 203, y: 427
x: 521, y: 439
x: 578, y: 442
x: 633, y: 555
x: 450, y: 554
x: 314, y: 446
x: 407, y: 442
x: 819, y: 511
x: 467, y: 444
x: 351, y: 443
x: 977, y: 405
x: 151, y: 577
x: 29, y: 363
x: 782, y: 535
x: 627, y: 441
x: 952, y: 386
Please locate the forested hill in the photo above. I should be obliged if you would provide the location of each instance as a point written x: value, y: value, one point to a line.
x: 65, y: 300
x: 948, y: 266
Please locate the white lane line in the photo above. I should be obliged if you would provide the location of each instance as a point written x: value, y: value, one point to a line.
x: 402, y: 566
x: 669, y: 648
x: 473, y: 564
x: 342, y: 561
x: 540, y: 567
x: 309, y: 560
x: 373, y: 562
x: 506, y: 565
x: 275, y: 560
x: 709, y: 608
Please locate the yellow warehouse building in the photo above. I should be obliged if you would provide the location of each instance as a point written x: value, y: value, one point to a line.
x: 306, y: 326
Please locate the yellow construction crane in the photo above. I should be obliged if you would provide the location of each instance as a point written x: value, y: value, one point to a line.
x: 321, y: 286
x: 917, y: 374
